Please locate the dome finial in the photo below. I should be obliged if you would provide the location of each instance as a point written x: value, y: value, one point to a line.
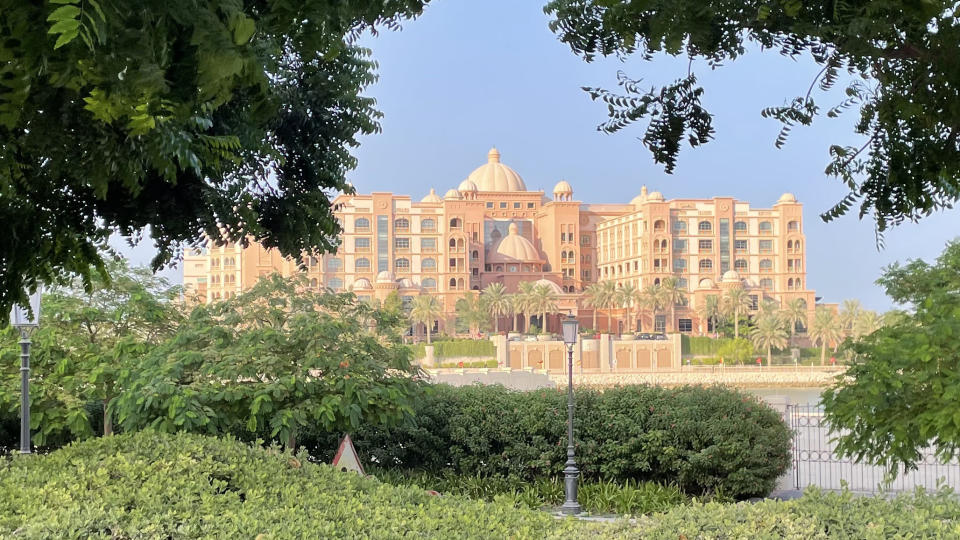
x: 643, y: 190
x: 493, y: 156
x: 513, y: 229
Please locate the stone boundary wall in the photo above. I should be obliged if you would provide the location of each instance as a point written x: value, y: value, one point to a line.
x: 741, y: 378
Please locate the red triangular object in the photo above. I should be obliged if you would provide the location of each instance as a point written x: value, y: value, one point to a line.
x: 347, y: 458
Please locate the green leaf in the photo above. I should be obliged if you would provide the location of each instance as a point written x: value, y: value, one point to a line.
x: 243, y: 30
x: 64, y: 13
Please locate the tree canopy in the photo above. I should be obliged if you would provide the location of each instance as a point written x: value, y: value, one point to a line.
x: 900, y: 392
x: 898, y: 58
x: 229, y: 119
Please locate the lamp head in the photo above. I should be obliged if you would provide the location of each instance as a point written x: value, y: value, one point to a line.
x: 26, y: 317
x: 570, y: 326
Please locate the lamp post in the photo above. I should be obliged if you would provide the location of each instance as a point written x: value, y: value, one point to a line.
x: 21, y: 319
x: 571, y: 474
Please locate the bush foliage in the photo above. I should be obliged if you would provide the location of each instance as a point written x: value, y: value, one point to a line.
x: 701, y: 439
x: 463, y: 347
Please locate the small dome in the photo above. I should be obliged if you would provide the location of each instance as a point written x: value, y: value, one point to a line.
x: 787, y: 198
x: 641, y: 198
x: 407, y: 283
x: 362, y: 284
x: 514, y: 248
x: 385, y: 277
x: 563, y: 187
x: 706, y: 283
x: 553, y: 286
x: 730, y: 276
x: 656, y: 196
x: 432, y: 197
x: 453, y: 194
x: 495, y: 176
x: 466, y: 186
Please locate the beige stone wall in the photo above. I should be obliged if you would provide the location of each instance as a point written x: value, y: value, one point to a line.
x: 736, y: 377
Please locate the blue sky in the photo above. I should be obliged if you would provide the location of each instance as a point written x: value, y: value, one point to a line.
x: 470, y: 74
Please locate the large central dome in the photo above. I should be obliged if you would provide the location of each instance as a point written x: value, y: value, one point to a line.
x: 514, y: 249
x: 495, y: 176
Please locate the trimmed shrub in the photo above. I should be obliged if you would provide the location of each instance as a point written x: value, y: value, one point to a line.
x: 463, y: 347
x: 702, y: 439
x: 702, y: 345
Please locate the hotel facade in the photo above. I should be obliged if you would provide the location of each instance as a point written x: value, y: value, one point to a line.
x: 492, y: 229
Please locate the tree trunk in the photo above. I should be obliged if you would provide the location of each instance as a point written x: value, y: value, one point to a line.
x: 428, y: 333
x: 595, y: 329
x: 823, y: 352
x: 769, y: 356
x: 107, y: 421
x: 736, y: 323
x: 673, y: 316
x: 543, y: 322
x: 496, y: 324
x: 291, y: 442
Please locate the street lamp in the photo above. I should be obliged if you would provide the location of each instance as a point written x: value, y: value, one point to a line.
x: 571, y: 474
x: 26, y: 321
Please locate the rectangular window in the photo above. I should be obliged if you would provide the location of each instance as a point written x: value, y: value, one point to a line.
x: 584, y: 239
x: 489, y: 205
x: 361, y: 244
x: 383, y: 244
x: 529, y: 205
x: 679, y: 265
x: 428, y: 244
x: 660, y: 324
x: 516, y: 205
x: 753, y: 301
x: 503, y: 205
x: 740, y: 246
x: 724, y: 244
x: 685, y: 325
x: 679, y: 246
x: 706, y: 246
x: 766, y: 246
x: 401, y: 243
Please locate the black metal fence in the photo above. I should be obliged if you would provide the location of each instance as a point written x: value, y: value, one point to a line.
x: 816, y: 464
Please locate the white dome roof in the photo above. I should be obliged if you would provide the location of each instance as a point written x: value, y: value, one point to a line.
x: 452, y: 194
x: 787, y: 198
x: 407, y: 283
x: 362, y: 283
x: 706, y: 283
x: 641, y: 198
x: 495, y: 176
x: 730, y: 276
x: 563, y: 187
x: 467, y: 185
x: 385, y: 277
x: 514, y: 248
x: 432, y: 197
x: 655, y: 196
x: 556, y: 288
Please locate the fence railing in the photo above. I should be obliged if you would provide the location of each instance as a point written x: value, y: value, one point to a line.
x: 815, y: 462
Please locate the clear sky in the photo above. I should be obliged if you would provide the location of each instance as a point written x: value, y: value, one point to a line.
x: 471, y: 74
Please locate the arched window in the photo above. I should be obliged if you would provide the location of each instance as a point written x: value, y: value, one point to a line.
x: 429, y: 283
x: 766, y: 284
x: 656, y: 282
x: 740, y: 265
x: 663, y: 245
x: 705, y: 227
x: 231, y: 278
x: 460, y: 283
x: 456, y: 223
x: 474, y: 255
x: 659, y: 225
x: 402, y: 264
x: 401, y: 224
x: 790, y: 283
x: 740, y: 226
x: 362, y: 224
x: 789, y: 245
x: 362, y: 264
x: 453, y: 283
x: 706, y: 264
x: 429, y: 264
x: 335, y: 284
x: 766, y: 227
x: 459, y: 243
x: 793, y: 226
x: 766, y: 265
x: 428, y: 225
x: 680, y: 227
x: 334, y: 264
x: 798, y: 286
x: 796, y: 246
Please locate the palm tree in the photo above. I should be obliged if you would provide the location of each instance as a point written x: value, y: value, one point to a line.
x: 653, y: 298
x: 865, y: 324
x: 424, y: 310
x: 711, y: 310
x: 544, y: 300
x: 825, y: 328
x: 735, y: 302
x: 497, y: 301
x: 608, y: 298
x: 850, y: 311
x: 627, y: 297
x: 593, y: 295
x: 674, y: 294
x: 795, y: 312
x: 521, y: 300
x: 472, y: 311
x: 769, y: 333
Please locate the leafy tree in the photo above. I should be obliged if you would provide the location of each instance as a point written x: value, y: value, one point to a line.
x: 825, y: 328
x: 227, y: 120
x: 497, y: 302
x: 850, y: 311
x: 711, y: 310
x: 608, y: 299
x: 543, y: 300
x: 472, y: 312
x: 867, y: 323
x: 735, y: 302
x: 769, y: 333
x: 522, y: 300
x: 425, y: 310
x: 87, y: 342
x: 593, y: 297
x: 673, y: 294
x: 738, y: 349
x: 653, y: 298
x: 275, y: 359
x: 627, y: 297
x: 900, y: 391
x: 794, y: 313
x: 899, y: 59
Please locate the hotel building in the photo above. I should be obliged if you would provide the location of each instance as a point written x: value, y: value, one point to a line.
x: 492, y: 229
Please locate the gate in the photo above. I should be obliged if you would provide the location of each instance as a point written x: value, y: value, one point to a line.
x: 816, y: 464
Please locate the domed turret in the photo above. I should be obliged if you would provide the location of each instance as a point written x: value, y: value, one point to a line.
x: 641, y: 198
x: 553, y: 286
x: 706, y: 283
x: 385, y: 277
x: 787, y: 198
x: 362, y: 284
x: 452, y: 194
x: 495, y: 176
x: 432, y: 197
x: 468, y: 189
x: 656, y: 196
x: 514, y: 248
x: 563, y: 191
x: 407, y: 283
x: 730, y: 276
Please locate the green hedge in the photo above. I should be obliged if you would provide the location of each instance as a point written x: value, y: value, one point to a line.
x: 701, y: 439
x: 701, y: 345
x: 463, y: 347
